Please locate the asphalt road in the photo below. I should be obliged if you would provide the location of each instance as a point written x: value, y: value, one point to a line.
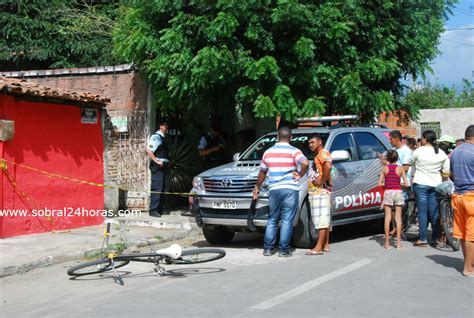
x: 358, y: 278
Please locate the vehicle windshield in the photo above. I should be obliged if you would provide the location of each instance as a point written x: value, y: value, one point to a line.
x: 299, y: 141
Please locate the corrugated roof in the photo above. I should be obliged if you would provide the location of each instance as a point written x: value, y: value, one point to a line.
x: 13, y: 86
x: 70, y: 71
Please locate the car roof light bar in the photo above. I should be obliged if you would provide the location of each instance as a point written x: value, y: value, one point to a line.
x: 327, y: 118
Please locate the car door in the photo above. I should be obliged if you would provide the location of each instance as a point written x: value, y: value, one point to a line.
x: 346, y: 175
x: 370, y: 148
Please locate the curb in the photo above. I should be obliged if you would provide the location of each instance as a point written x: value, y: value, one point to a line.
x: 158, y: 223
x: 54, y: 260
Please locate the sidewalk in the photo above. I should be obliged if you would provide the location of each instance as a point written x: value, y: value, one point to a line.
x: 25, y: 253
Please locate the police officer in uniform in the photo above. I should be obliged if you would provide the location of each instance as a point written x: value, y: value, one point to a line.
x: 211, y: 148
x: 158, y: 152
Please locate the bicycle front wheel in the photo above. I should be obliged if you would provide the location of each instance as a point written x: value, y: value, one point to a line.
x: 447, y: 216
x: 94, y: 267
x: 198, y: 255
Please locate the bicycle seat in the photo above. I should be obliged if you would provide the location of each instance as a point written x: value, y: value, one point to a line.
x: 445, y: 188
x: 174, y: 251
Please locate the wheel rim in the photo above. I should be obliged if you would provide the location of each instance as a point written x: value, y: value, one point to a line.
x: 199, y: 256
x: 92, y: 269
x: 448, y: 220
x: 196, y: 258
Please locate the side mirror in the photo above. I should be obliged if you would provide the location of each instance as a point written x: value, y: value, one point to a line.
x: 340, y: 155
x: 236, y: 156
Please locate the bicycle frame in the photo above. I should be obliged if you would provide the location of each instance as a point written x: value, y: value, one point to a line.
x: 171, y: 255
x: 172, y: 252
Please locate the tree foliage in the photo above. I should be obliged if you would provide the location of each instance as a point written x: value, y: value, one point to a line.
x: 57, y: 33
x: 287, y: 57
x: 431, y: 97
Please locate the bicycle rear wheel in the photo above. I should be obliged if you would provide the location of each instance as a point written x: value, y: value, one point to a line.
x: 411, y: 220
x: 198, y: 255
x: 447, y: 216
x: 95, y: 267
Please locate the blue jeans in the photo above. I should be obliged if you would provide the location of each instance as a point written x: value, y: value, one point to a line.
x: 427, y: 210
x: 283, y: 204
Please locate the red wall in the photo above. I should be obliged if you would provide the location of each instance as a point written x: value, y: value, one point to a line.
x: 50, y: 137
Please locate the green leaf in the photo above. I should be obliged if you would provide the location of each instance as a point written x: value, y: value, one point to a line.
x: 264, y: 107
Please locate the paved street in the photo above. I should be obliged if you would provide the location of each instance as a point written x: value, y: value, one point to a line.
x: 358, y: 278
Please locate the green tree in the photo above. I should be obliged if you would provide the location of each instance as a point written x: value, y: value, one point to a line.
x: 430, y: 97
x: 287, y: 57
x: 56, y: 33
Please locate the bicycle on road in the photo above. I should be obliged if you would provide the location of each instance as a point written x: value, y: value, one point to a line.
x: 172, y: 255
x: 446, y: 214
x: 445, y: 218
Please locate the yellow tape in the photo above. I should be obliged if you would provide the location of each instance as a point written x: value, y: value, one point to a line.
x: 22, y: 193
x: 55, y: 175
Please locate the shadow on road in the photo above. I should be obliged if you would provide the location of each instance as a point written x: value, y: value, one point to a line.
x: 195, y: 271
x: 355, y: 231
x: 339, y: 234
x: 448, y: 261
x: 172, y: 273
x: 379, y: 239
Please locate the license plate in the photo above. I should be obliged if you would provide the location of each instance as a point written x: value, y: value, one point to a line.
x: 227, y: 204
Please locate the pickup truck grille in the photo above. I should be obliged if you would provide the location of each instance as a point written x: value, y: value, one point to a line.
x: 229, y: 184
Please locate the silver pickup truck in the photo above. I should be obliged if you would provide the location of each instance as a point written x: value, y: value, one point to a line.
x: 223, y: 195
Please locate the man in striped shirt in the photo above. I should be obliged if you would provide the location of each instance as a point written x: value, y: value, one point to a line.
x: 281, y: 162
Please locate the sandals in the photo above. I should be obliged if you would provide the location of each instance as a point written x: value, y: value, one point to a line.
x: 420, y: 244
x: 311, y: 252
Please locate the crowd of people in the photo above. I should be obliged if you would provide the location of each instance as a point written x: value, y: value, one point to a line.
x: 412, y: 166
x: 421, y: 167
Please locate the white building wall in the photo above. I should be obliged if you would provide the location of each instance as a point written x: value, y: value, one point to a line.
x: 453, y: 121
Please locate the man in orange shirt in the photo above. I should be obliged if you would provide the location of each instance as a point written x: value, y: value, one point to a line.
x: 462, y: 168
x: 319, y: 192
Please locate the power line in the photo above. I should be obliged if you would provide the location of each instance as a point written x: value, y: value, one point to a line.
x: 463, y: 43
x: 464, y: 9
x: 470, y: 13
x: 459, y: 29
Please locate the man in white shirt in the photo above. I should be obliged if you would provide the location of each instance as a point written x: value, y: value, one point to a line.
x: 404, y: 157
x: 404, y: 152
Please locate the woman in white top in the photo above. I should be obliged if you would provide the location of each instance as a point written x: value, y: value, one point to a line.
x: 428, y: 161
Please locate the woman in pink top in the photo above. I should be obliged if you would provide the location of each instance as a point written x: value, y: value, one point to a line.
x: 393, y: 194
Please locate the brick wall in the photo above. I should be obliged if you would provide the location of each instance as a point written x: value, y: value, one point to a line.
x: 125, y: 159
x: 127, y: 90
x: 399, y: 120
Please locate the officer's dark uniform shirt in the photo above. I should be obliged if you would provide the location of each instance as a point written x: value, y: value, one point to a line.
x: 159, y: 146
x: 209, y: 141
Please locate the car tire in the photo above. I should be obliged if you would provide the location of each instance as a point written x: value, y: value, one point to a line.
x: 304, y: 234
x: 218, y: 235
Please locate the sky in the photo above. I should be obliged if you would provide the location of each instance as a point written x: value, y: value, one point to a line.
x: 456, y: 60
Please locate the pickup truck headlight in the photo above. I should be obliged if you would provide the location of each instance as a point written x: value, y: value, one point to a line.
x: 198, y: 184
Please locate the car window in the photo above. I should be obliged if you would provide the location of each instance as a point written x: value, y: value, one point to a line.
x: 344, y: 142
x: 299, y: 141
x: 369, y: 145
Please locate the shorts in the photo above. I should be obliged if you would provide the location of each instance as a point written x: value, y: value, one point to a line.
x: 320, y: 205
x: 393, y: 197
x: 463, y: 206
